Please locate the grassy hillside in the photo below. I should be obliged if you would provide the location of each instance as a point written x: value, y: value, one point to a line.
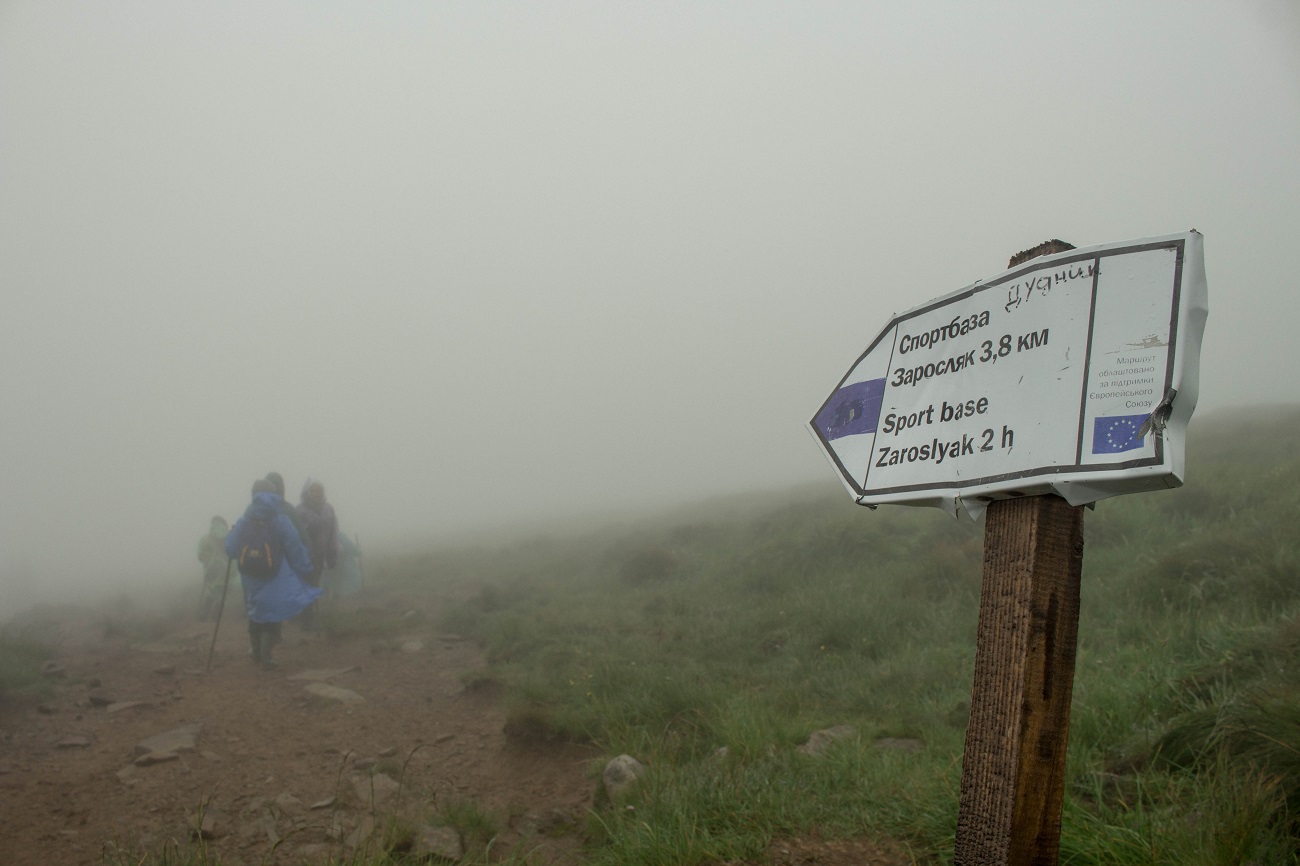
x: 710, y: 644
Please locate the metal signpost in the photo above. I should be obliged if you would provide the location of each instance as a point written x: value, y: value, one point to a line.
x: 1066, y: 379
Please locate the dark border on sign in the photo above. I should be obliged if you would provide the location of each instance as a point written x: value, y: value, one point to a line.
x: 1087, y: 357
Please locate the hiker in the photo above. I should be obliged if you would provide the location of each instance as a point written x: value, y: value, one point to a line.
x: 344, y: 579
x: 271, y: 559
x: 286, y: 506
x: 212, y: 554
x: 321, y: 537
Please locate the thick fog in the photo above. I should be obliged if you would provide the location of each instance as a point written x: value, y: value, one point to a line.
x: 483, y: 264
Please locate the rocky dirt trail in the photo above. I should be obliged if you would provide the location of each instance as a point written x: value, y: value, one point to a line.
x: 273, y: 766
x: 349, y: 742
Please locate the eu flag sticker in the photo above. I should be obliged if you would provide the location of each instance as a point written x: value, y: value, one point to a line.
x: 1116, y: 434
x: 852, y: 410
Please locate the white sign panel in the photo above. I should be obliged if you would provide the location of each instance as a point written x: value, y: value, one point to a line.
x: 1072, y: 374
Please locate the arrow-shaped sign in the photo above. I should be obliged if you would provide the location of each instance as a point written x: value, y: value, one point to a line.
x: 1072, y: 374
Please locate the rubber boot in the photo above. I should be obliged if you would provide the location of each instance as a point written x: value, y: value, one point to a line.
x: 255, y: 641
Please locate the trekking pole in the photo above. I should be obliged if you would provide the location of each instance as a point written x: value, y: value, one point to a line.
x: 220, y: 610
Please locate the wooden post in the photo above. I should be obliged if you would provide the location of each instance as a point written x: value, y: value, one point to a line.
x: 1013, y: 773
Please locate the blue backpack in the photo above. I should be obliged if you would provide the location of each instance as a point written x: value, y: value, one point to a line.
x: 260, y: 551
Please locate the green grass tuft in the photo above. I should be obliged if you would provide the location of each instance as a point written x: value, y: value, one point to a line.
x: 21, y: 658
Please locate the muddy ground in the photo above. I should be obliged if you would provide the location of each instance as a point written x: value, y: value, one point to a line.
x: 349, y: 744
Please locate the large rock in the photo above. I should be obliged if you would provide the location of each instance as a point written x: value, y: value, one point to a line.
x: 620, y: 775
x: 439, y: 843
x: 820, y: 741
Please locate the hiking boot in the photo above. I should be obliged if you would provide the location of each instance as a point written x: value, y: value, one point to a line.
x: 267, y: 642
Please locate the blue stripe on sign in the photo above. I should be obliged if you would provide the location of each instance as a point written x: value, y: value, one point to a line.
x: 851, y: 410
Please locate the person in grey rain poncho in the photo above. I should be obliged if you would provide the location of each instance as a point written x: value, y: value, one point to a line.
x: 271, y: 601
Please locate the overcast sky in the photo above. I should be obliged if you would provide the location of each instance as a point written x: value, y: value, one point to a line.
x: 481, y: 263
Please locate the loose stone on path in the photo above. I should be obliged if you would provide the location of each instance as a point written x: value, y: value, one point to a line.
x: 334, y: 693
x: 167, y: 746
x: 119, y: 706
x: 150, y: 758
x: 375, y: 790
x: 322, y: 675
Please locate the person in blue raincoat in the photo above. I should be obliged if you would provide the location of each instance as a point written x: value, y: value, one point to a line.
x: 284, y: 596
